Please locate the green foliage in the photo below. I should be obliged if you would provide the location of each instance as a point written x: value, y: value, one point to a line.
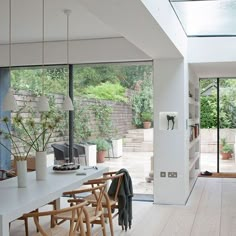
x: 102, y: 115
x: 55, y: 80
x: 146, y: 116
x: 142, y: 101
x: 102, y: 144
x: 106, y: 91
x: 208, y: 112
x: 82, y: 129
x: 227, y: 114
x: 227, y: 148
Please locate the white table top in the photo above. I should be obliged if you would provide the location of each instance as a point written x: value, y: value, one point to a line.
x: 15, y: 201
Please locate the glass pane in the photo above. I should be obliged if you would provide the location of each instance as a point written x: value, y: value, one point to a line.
x: 207, y: 18
x: 109, y: 100
x: 208, y: 125
x: 227, y: 124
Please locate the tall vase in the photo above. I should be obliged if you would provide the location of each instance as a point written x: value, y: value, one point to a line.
x: 21, y: 169
x: 41, y: 165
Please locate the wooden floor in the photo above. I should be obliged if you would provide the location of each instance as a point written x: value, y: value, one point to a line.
x: 210, y: 211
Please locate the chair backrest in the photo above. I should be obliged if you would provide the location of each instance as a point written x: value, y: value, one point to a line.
x: 97, y: 191
x: 79, y: 150
x: 109, y: 177
x: 74, y: 210
x: 61, y: 151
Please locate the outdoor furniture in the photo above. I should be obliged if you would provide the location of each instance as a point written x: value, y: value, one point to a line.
x: 61, y: 152
x: 93, y: 214
x: 79, y: 152
x: 15, y: 202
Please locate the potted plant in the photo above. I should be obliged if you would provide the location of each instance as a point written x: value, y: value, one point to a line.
x: 146, y: 118
x: 32, y: 132
x: 226, y: 151
x: 102, y: 147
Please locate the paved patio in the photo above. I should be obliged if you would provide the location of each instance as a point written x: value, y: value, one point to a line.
x: 138, y: 165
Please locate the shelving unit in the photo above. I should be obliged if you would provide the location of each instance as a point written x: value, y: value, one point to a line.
x: 194, y: 133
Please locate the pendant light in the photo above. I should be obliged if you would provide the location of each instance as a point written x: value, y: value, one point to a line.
x: 43, y: 104
x: 9, y: 102
x: 67, y: 105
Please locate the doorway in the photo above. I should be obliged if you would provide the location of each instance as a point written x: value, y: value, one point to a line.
x: 218, y: 124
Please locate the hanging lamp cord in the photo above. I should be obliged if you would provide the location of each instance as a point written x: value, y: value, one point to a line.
x: 10, y: 36
x: 43, y: 71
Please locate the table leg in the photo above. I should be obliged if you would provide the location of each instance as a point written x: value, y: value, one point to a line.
x: 4, y: 227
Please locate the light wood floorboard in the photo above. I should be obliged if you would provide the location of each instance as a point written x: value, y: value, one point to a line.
x: 210, y: 211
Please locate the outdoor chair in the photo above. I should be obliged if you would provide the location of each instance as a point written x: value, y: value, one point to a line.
x: 79, y: 152
x: 75, y: 225
x: 108, y: 203
x: 92, y: 214
x: 61, y: 152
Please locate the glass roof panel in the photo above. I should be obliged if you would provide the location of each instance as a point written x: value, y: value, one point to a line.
x: 207, y: 17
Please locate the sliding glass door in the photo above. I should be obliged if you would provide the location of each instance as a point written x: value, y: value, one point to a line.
x: 218, y: 124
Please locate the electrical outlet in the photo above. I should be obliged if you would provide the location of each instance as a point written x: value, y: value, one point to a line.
x: 172, y: 174
x: 163, y: 174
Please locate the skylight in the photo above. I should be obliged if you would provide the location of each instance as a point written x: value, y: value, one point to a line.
x: 206, y: 18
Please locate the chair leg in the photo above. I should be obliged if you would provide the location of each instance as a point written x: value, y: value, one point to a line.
x: 103, y: 225
x: 109, y: 214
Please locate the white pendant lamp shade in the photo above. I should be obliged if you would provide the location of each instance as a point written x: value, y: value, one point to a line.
x: 43, y: 104
x: 9, y: 102
x: 68, y: 105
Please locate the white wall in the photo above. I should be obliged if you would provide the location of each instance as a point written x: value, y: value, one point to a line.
x: 170, y: 146
x: 83, y: 51
x: 166, y: 18
x: 218, y: 49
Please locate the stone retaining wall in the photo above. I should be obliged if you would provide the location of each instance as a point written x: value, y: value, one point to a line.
x: 121, y: 113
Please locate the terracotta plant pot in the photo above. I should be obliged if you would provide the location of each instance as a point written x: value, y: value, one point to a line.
x: 101, y: 156
x: 147, y: 124
x: 226, y: 155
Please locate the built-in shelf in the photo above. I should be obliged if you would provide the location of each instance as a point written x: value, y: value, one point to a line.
x: 193, y: 160
x: 194, y: 133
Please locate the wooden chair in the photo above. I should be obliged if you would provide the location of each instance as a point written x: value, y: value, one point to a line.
x: 25, y: 218
x: 76, y: 225
x: 108, y: 203
x: 91, y: 214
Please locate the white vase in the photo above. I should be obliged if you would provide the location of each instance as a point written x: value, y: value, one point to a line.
x: 21, y: 167
x: 41, y: 165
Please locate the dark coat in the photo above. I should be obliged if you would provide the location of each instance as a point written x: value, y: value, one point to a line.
x: 124, y: 198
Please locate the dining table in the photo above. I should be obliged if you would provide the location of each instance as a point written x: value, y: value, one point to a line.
x: 14, y: 201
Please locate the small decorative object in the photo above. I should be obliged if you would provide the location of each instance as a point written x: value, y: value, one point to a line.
x: 168, y: 120
x: 21, y: 170
x: 172, y: 119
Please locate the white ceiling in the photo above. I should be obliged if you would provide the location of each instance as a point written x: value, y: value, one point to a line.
x: 27, y: 21
x: 27, y: 27
x: 215, y: 69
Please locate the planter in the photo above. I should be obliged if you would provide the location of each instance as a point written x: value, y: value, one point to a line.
x: 21, y: 168
x: 117, y: 145
x: 41, y: 165
x: 226, y: 155
x: 147, y: 124
x: 91, y: 154
x: 101, y: 156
